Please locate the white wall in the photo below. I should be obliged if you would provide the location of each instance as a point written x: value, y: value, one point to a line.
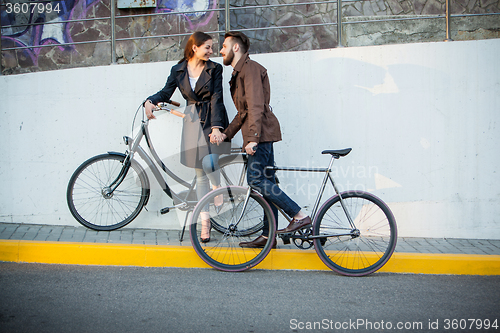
x: 421, y: 119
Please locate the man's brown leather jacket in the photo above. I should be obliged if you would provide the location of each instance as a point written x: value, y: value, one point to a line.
x: 251, y: 94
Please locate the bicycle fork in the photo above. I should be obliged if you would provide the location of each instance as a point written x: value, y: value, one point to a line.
x: 107, y: 191
x: 245, y: 203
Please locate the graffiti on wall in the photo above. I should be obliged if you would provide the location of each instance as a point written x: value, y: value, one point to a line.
x: 49, y: 26
x: 198, y: 7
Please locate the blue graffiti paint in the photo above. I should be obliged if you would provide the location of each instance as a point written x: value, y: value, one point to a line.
x: 15, y: 35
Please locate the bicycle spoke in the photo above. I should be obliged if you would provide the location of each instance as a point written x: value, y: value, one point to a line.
x: 224, y: 251
x: 94, y: 205
x: 367, y: 247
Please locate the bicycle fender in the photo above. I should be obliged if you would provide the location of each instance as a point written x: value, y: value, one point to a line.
x: 115, y: 153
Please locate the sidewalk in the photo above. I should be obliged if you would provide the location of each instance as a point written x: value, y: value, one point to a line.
x: 79, y: 245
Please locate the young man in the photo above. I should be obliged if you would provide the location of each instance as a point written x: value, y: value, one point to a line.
x: 260, y: 128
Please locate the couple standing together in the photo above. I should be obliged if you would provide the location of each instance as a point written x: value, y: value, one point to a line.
x: 207, y: 132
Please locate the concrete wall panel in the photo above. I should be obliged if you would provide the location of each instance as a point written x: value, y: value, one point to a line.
x: 421, y: 119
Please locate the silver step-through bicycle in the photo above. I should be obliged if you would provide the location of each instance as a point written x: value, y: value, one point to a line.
x: 108, y: 191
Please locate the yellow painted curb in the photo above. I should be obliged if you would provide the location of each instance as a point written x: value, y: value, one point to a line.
x: 99, y: 254
x: 438, y: 263
x: 186, y: 257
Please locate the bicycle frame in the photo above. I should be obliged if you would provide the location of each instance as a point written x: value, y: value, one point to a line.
x: 327, y: 177
x: 134, y: 147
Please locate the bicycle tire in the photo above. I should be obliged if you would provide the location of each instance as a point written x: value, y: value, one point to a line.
x: 88, y: 202
x: 223, y: 251
x: 352, y: 254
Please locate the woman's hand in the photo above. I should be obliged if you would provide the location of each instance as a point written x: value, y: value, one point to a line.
x: 216, y: 136
x: 149, y: 110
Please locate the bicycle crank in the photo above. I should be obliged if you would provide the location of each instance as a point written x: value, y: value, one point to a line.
x: 301, y: 238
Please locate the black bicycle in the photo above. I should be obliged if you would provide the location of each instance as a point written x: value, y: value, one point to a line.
x: 353, y: 232
x: 108, y: 191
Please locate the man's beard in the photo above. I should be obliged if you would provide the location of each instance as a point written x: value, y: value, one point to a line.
x: 228, y: 59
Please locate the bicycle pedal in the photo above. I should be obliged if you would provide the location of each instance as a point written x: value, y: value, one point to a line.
x: 285, y: 239
x: 164, y: 211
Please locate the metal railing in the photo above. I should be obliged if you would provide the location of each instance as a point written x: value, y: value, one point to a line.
x: 112, y: 18
x: 227, y: 10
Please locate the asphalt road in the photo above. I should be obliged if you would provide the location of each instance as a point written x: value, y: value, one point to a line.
x: 59, y: 298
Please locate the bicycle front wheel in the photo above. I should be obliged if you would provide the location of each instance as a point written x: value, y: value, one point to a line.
x: 233, y: 172
x: 239, y: 224
x: 91, y: 201
x: 359, y: 249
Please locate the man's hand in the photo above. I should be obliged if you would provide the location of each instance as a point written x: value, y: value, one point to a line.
x: 149, y: 110
x: 250, y: 148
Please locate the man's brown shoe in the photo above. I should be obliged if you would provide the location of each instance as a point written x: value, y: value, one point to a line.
x: 258, y: 242
x: 295, y: 225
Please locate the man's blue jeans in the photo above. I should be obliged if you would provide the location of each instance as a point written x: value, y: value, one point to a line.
x: 264, y: 181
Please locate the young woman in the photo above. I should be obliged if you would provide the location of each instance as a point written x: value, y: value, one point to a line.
x: 200, y: 82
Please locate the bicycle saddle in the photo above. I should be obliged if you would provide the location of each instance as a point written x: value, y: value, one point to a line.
x: 337, y: 153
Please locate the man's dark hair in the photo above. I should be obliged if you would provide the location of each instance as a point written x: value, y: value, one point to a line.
x: 239, y: 38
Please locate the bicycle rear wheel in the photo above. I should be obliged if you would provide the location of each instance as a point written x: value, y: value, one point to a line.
x: 223, y: 251
x: 363, y: 249
x: 90, y: 200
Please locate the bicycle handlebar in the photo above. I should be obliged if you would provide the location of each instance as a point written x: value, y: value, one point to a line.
x: 163, y: 106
